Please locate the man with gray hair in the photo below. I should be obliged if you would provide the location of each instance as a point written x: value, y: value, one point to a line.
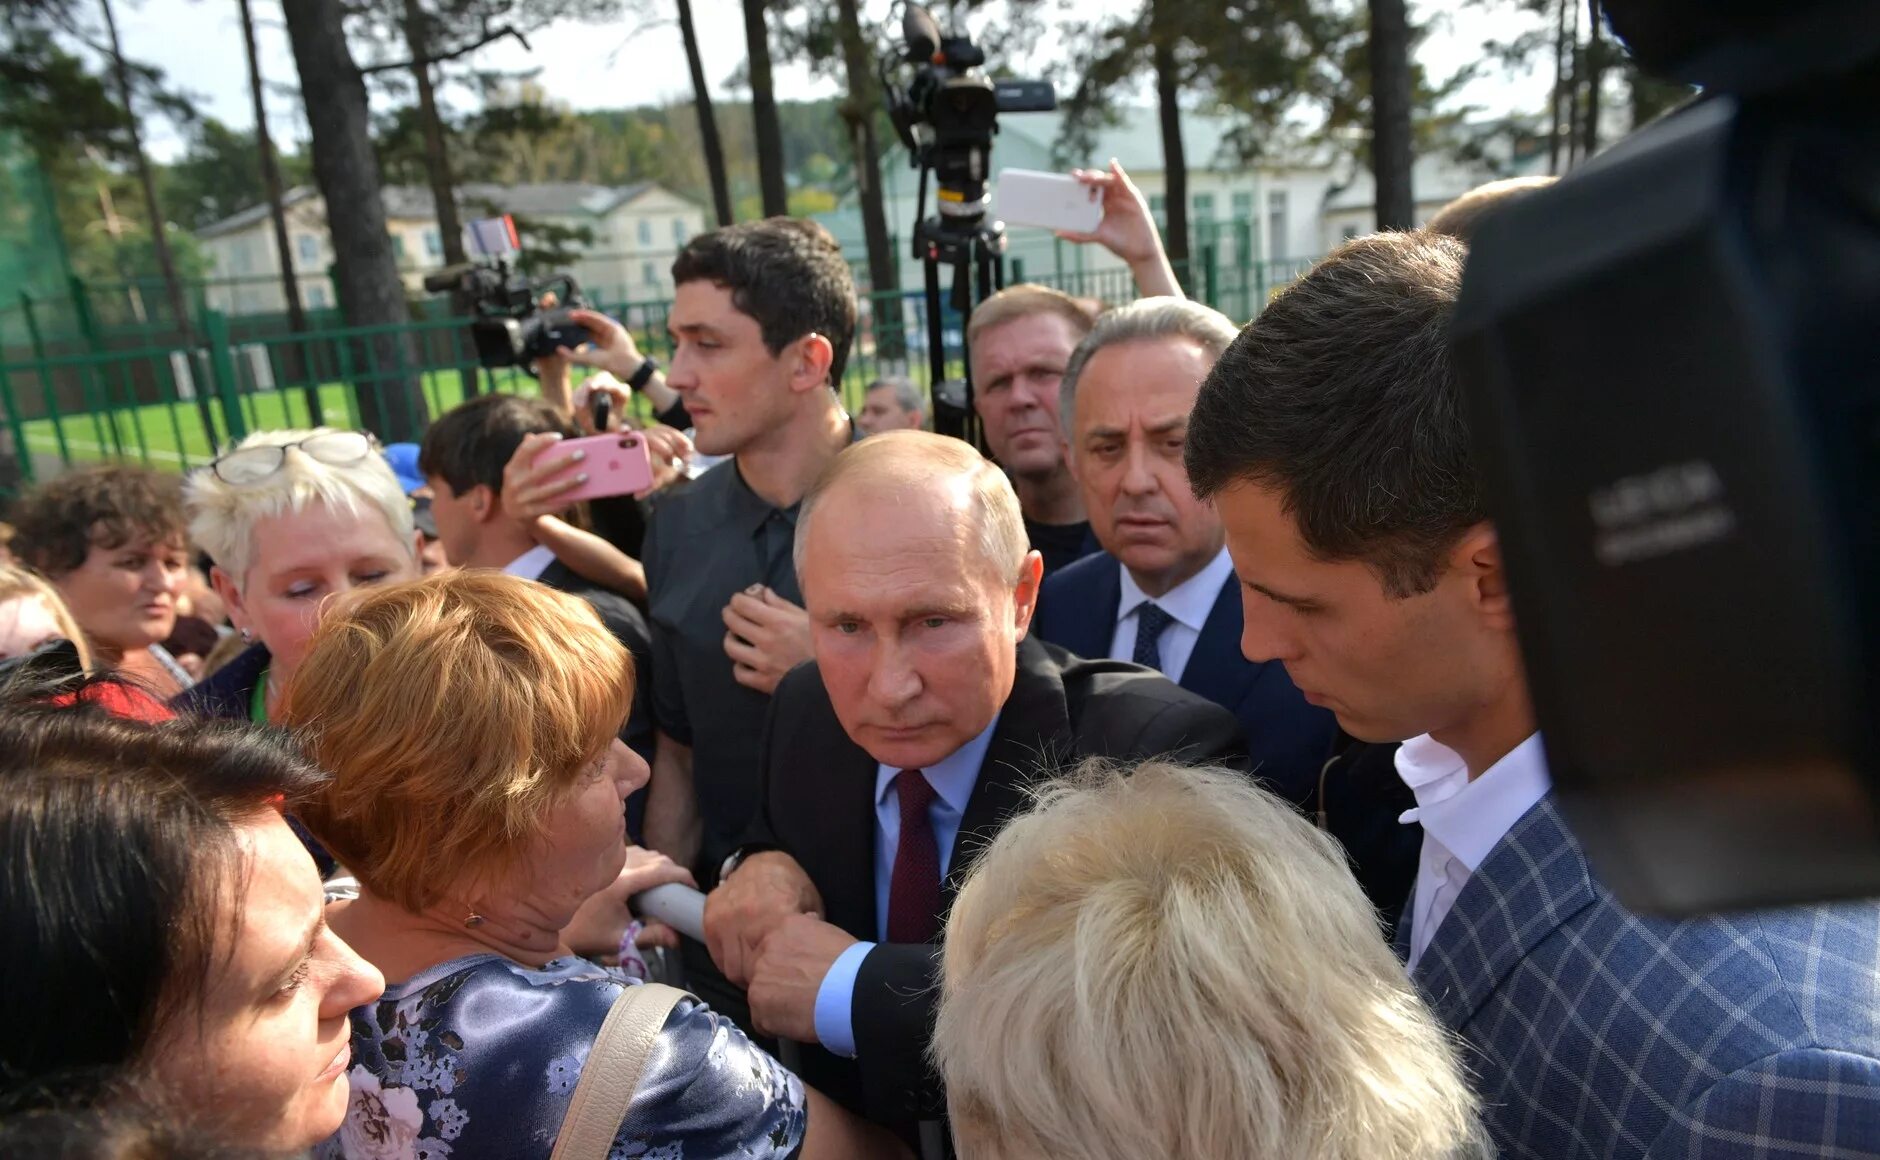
x: 1162, y: 592
x: 892, y: 404
x: 899, y: 753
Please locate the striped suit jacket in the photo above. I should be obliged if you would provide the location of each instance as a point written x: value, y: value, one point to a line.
x: 1597, y: 1034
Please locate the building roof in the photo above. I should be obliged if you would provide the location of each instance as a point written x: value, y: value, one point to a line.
x: 406, y: 202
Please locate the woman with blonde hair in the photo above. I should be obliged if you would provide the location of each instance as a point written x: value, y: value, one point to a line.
x: 32, y: 616
x: 1175, y: 963
x: 470, y: 722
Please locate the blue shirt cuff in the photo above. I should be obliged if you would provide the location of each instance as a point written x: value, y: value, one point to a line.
x: 835, y: 1001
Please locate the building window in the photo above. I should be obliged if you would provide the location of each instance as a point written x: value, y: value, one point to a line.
x: 1204, y: 207
x: 316, y: 297
x: 678, y: 231
x: 649, y: 273
x: 1276, y: 225
x: 398, y: 246
x: 433, y: 243
x: 646, y: 232
x: 1243, y: 207
x: 309, y: 247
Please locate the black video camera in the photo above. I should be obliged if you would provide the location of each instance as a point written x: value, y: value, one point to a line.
x: 949, y: 110
x: 1669, y: 360
x: 509, y: 325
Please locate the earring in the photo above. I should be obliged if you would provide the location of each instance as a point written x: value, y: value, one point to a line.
x: 248, y: 637
x: 474, y: 920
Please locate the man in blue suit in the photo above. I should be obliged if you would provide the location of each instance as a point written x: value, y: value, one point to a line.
x: 1331, y: 437
x: 1162, y: 592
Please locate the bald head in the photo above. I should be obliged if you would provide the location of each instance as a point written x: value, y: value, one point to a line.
x: 919, y: 586
x: 926, y: 477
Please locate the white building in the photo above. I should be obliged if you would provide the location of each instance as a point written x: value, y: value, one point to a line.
x: 636, y: 230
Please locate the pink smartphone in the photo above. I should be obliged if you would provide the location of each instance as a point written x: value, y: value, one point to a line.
x: 616, y: 464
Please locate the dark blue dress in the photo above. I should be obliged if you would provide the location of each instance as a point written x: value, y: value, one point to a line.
x: 477, y: 1059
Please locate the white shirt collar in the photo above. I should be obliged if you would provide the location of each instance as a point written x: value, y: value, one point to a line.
x: 952, y: 777
x: 531, y: 564
x: 1470, y: 817
x: 1189, y: 602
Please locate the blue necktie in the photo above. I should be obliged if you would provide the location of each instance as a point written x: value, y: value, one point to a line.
x: 1150, y: 621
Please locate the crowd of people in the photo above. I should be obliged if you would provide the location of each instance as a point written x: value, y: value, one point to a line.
x: 1162, y: 783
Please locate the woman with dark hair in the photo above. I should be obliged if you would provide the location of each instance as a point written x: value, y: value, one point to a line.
x: 111, y: 540
x: 163, y: 928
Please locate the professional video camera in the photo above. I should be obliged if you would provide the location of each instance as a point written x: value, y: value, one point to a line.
x: 1671, y: 372
x: 510, y: 326
x: 946, y: 115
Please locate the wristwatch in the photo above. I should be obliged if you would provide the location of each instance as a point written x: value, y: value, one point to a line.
x: 644, y: 375
x: 737, y: 857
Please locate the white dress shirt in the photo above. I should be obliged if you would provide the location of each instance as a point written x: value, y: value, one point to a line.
x: 1188, y: 602
x: 1462, y: 819
x: 531, y: 564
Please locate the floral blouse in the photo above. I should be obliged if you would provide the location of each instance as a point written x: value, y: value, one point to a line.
x: 477, y: 1059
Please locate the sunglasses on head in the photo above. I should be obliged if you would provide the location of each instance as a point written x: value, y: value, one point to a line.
x: 334, y: 448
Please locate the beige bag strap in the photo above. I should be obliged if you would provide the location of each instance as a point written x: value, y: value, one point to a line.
x: 612, y: 1072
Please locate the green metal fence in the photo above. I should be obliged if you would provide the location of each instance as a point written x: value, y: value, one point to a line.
x: 167, y: 400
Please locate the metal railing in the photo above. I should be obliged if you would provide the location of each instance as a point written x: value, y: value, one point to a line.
x: 168, y: 399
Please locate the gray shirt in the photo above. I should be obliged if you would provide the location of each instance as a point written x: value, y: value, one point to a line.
x: 706, y: 543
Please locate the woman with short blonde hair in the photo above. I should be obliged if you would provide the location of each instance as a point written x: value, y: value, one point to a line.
x: 470, y: 723
x: 1174, y: 963
x: 291, y: 518
x: 32, y: 615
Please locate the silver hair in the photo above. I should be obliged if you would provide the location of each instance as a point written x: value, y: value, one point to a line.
x: 1172, y: 962
x: 1145, y: 318
x: 907, y: 396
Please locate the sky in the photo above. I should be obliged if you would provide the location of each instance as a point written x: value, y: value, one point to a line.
x: 198, y: 44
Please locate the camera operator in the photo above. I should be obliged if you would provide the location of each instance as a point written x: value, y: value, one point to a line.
x: 1331, y: 437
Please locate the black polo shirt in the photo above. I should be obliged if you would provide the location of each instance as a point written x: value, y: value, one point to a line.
x: 705, y: 543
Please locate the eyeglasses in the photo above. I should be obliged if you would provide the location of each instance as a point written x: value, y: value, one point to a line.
x: 334, y: 448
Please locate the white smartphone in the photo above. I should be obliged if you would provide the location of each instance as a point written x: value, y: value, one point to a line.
x: 1055, y: 201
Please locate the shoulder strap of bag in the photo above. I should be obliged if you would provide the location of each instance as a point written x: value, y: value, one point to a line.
x: 612, y: 1072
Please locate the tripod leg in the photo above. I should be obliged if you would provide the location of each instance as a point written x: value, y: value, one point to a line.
x: 947, y: 420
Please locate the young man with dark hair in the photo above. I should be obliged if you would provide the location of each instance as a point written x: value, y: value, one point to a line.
x: 1331, y: 438
x: 463, y: 458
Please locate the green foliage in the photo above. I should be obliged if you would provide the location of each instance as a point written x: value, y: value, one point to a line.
x: 219, y: 174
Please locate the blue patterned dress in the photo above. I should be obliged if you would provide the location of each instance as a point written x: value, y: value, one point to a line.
x: 477, y: 1059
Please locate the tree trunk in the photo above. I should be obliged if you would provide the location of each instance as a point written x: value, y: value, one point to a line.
x: 859, y: 111
x: 1174, y: 156
x: 1595, y: 70
x: 153, y: 210
x: 1560, y: 120
x: 768, y: 131
x: 365, y: 271
x: 293, y: 358
x: 1391, y: 158
x: 436, y: 152
x: 707, y: 119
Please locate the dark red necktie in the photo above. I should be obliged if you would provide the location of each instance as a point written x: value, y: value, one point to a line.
x: 914, y: 891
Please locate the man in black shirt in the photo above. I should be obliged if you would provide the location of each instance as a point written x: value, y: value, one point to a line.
x: 1020, y: 340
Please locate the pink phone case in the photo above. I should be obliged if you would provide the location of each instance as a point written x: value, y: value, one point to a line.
x: 616, y: 464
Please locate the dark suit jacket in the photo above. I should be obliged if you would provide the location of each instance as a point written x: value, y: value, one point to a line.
x: 818, y: 804
x: 628, y: 624
x: 1288, y: 739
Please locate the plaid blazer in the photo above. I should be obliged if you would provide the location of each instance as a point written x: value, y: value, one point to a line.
x: 1596, y: 1034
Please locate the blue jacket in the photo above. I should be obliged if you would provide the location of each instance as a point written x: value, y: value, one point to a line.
x: 1597, y: 1034
x: 1288, y: 740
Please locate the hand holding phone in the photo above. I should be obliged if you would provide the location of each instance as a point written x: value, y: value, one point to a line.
x: 1056, y: 201
x: 615, y: 464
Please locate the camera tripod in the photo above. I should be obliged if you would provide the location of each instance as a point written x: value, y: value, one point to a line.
x: 974, y: 249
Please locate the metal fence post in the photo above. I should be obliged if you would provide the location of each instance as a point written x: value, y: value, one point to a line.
x: 1210, y: 275
x: 222, y: 373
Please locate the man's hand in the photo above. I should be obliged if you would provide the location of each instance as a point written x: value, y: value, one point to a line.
x: 790, y: 970
x: 609, y: 348
x: 1127, y: 230
x: 597, y: 927
x: 618, y: 398
x: 766, y: 637
x: 526, y: 495
x: 764, y: 891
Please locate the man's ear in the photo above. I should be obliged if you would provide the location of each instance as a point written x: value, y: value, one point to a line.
x: 485, y: 503
x: 1025, y: 595
x: 809, y: 368
x: 1477, y: 556
x: 224, y: 586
